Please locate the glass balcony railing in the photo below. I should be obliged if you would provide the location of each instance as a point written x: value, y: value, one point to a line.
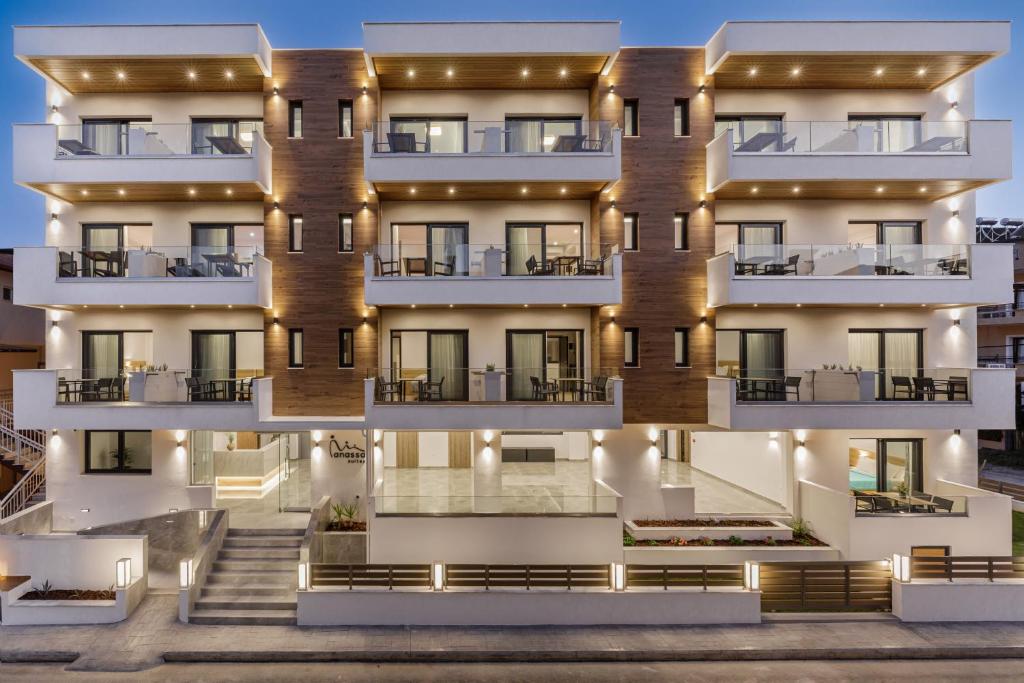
x: 870, y: 503
x: 850, y: 384
x: 488, y: 260
x: 853, y: 137
x: 153, y: 384
x: 552, y: 503
x: 831, y: 260
x: 131, y: 139
x: 161, y: 261
x: 552, y: 384
x: 491, y: 137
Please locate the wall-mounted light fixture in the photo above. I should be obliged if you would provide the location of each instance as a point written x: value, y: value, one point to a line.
x: 277, y: 205
x: 801, y: 443
x: 613, y: 203
x: 957, y: 432
x: 317, y: 437
x: 611, y: 88
x: 53, y: 216
x: 954, y: 105
x: 702, y: 89
x: 703, y: 203
x: 956, y: 321
x: 488, y: 437
x: 613, y: 319
x: 277, y: 91
x: 956, y: 213
x: 54, y: 108
x: 277, y: 321
x: 54, y: 322
x: 703, y: 320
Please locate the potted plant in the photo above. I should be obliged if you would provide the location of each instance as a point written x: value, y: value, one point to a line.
x: 344, y: 516
x: 231, y: 441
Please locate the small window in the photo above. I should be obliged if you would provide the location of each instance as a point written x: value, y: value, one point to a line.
x: 681, y: 121
x: 681, y: 229
x: 295, y: 118
x: 7, y: 294
x: 344, y: 118
x: 294, y: 232
x: 631, y: 347
x: 118, y: 452
x: 682, y: 347
x: 631, y: 231
x: 344, y: 232
x: 346, y: 348
x: 295, y: 348
x: 631, y: 117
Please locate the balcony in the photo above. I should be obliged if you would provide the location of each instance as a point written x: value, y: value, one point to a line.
x: 147, y: 162
x: 943, y: 398
x: 154, y: 276
x: 1001, y: 314
x: 493, y: 398
x: 484, y: 275
x: 482, y: 161
x: 860, y: 275
x: 850, y: 160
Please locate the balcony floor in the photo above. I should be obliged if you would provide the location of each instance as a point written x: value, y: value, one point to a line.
x: 716, y: 496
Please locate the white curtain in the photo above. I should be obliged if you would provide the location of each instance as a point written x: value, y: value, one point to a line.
x: 763, y: 354
x: 863, y: 353
x: 524, y: 242
x: 760, y: 240
x: 525, y: 136
x: 102, y: 138
x: 214, y: 356
x: 448, y: 361
x: 527, y: 361
x: 102, y: 356
x: 901, y: 355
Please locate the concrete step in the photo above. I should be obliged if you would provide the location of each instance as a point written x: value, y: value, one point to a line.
x: 259, y: 554
x: 226, y: 617
x: 262, y: 541
x: 233, y: 532
x: 250, y: 589
x: 255, y: 566
x: 282, y: 579
x: 249, y: 603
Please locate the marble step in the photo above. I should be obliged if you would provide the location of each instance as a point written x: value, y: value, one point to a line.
x: 255, y: 565
x: 247, y: 602
x: 262, y: 541
x: 253, y: 589
x: 288, y: 579
x: 226, y: 617
x: 233, y: 533
x: 259, y: 554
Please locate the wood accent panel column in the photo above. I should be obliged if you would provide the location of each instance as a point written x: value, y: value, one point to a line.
x: 319, y: 176
x: 662, y: 288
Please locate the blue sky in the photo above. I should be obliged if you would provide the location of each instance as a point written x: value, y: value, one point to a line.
x: 305, y: 24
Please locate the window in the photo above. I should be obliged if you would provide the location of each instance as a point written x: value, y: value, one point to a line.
x: 631, y: 347
x: 232, y: 136
x: 548, y: 134
x: 445, y: 135
x: 7, y: 293
x: 681, y: 120
x: 294, y: 233
x: 295, y: 118
x: 344, y: 118
x: 681, y: 229
x: 118, y: 452
x: 631, y: 231
x: 631, y: 117
x: 682, y: 347
x: 346, y: 348
x: 344, y: 232
x: 295, y: 348
x: 752, y: 133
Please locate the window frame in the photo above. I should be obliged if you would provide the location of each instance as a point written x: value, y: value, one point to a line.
x: 632, y: 105
x: 293, y: 106
x: 343, y: 246
x: 683, y: 104
x: 343, y: 107
x: 631, y: 336
x: 350, y: 333
x: 292, y: 332
x: 632, y: 232
x: 681, y: 230
x: 88, y: 469
x: 291, y: 233
x: 686, y: 347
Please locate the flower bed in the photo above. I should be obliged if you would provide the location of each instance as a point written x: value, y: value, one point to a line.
x: 690, y: 530
x: 69, y: 594
x: 346, y: 526
x: 734, y: 542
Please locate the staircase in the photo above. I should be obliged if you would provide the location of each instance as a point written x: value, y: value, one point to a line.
x: 253, y: 579
x: 24, y: 451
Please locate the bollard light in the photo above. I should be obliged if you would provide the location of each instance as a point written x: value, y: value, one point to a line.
x: 438, y: 572
x: 303, y: 576
x: 900, y: 565
x: 751, y: 576
x: 123, y: 572
x: 185, y: 574
x: 618, y: 576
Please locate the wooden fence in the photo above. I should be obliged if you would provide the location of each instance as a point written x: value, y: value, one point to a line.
x: 826, y: 586
x: 488, y: 576
x: 966, y: 567
x: 667, y: 576
x: 1013, y: 490
x: 352, y: 576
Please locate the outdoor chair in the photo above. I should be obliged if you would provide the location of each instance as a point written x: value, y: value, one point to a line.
x: 102, y: 389
x: 445, y: 268
x: 66, y: 264
x: 591, y: 267
x: 404, y: 143
x: 386, y: 391
x: 596, y: 390
x: 943, y: 504
x: 387, y: 268
x: 884, y: 504
x: 244, y: 392
x: 902, y: 383
x: 75, y: 148
x: 202, y: 391
x: 787, y: 268
x: 535, y: 268
x: 226, y: 144
x: 431, y: 391
x: 864, y: 502
x: 112, y: 267
x: 791, y: 387
x: 956, y: 385
x: 543, y: 390
x: 924, y: 388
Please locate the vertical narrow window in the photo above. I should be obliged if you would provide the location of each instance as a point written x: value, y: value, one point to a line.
x: 344, y: 232
x: 295, y: 348
x: 681, y: 118
x: 346, y: 348
x: 295, y: 232
x: 631, y: 117
x: 344, y: 118
x: 631, y: 231
x: 295, y: 118
x: 7, y: 294
x: 681, y: 229
x: 631, y: 347
x: 682, y: 347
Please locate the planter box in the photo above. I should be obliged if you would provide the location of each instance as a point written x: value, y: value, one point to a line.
x: 727, y: 555
x: 343, y: 547
x: 17, y: 612
x: 778, y: 531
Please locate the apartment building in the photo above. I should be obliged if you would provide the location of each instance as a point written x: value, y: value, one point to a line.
x: 507, y: 286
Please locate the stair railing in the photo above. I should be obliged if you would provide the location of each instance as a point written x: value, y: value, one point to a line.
x: 19, y: 496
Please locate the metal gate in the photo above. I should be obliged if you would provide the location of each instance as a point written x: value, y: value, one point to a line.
x: 826, y: 586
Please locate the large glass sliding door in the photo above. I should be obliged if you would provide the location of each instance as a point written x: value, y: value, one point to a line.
x: 447, y: 249
x: 210, y: 240
x: 886, y: 464
x: 213, y: 358
x: 746, y: 128
x: 548, y: 355
x: 431, y: 135
x: 891, y: 133
x: 110, y: 137
x: 525, y: 360
x: 762, y: 354
x: 541, y: 242
x: 891, y: 353
x: 448, y: 357
x: 102, y: 355
x: 224, y: 136
x: 533, y: 135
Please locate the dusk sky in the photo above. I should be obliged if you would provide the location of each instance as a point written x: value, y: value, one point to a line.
x: 303, y: 24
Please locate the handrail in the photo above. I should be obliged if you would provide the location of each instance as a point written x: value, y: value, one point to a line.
x: 23, y: 491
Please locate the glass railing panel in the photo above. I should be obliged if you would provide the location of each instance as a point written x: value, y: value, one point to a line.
x: 155, y: 384
x: 491, y: 137
x: 552, y: 503
x: 152, y: 139
x: 908, y: 503
x: 836, y: 260
x: 855, y: 137
x: 851, y: 384
x: 158, y: 261
x: 553, y: 384
x: 490, y: 260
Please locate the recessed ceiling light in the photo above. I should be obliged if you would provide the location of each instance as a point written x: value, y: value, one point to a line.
x: 120, y: 306
x: 922, y: 71
x: 252, y: 234
x: 880, y: 188
x: 753, y: 71
x: 526, y: 305
x: 412, y: 306
x: 525, y: 72
x: 563, y: 72
x: 121, y: 75
x: 229, y: 192
x: 522, y: 190
x: 562, y: 190
x: 120, y: 191
x: 85, y: 193
x: 795, y: 71
x: 451, y: 305
x: 799, y: 305
x: 450, y: 73
x: 192, y: 306
x: 191, y: 192
x: 796, y: 189
x: 879, y: 71
x: 229, y: 74
x: 85, y: 76
x: 753, y: 190
x: 922, y: 189
x: 451, y: 190
x: 410, y: 73
x: 192, y: 75
x: 412, y: 190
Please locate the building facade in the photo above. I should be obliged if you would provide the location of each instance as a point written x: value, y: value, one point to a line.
x: 508, y: 286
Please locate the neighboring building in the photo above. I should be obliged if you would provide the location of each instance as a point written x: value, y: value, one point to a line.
x: 509, y: 285
x: 22, y: 337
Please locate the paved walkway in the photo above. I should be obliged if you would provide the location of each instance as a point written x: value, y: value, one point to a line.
x: 142, y: 641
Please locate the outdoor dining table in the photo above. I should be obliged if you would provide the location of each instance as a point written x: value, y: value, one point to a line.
x: 68, y: 388
x: 226, y: 259
x: 415, y: 265
x: 415, y: 382
x: 566, y: 265
x: 750, y: 265
x: 908, y: 502
x: 97, y: 257
x: 572, y: 386
x: 762, y: 385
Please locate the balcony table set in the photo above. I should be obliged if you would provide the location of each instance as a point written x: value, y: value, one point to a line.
x: 793, y: 265
x: 119, y: 389
x: 916, y: 502
x: 151, y: 262
x: 421, y: 266
x: 903, y: 388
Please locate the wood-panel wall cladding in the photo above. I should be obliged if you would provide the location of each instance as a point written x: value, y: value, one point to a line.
x: 318, y: 177
x: 663, y: 288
